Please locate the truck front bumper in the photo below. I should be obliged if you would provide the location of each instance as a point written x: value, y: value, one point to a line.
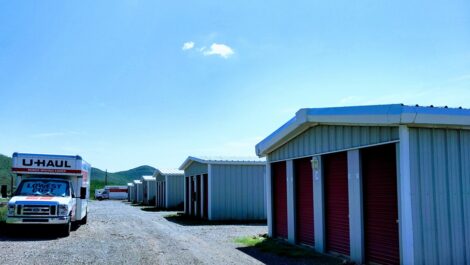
x: 38, y: 220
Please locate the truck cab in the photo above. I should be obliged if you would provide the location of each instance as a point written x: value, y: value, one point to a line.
x: 102, y: 194
x: 50, y: 190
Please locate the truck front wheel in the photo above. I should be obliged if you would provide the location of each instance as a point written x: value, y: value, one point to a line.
x: 65, y: 229
x: 84, y: 220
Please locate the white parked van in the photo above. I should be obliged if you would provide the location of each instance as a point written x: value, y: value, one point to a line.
x: 50, y: 190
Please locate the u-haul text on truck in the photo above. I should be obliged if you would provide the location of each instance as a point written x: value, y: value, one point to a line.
x: 50, y: 190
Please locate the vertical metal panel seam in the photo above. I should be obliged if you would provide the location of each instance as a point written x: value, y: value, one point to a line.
x: 462, y: 198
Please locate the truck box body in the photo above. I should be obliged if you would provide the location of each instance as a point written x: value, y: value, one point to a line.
x: 117, y: 192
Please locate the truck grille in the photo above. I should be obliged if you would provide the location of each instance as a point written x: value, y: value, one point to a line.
x: 37, y: 210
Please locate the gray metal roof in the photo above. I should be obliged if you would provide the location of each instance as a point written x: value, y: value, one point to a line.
x: 229, y: 160
x: 136, y: 181
x: 376, y: 115
x: 148, y: 178
x: 168, y: 172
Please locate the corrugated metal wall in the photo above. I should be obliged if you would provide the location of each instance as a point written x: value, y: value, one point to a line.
x: 440, y: 186
x: 174, y: 190
x: 329, y: 138
x: 237, y: 192
x: 195, y: 168
x: 152, y: 191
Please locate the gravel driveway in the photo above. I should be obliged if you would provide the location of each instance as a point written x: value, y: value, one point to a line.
x: 118, y: 233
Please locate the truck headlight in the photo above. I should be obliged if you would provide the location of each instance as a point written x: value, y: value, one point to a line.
x: 11, y: 209
x: 63, y: 210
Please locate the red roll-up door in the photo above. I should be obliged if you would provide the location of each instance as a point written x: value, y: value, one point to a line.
x: 206, y: 197
x: 186, y: 199
x: 279, y: 199
x: 304, y: 201
x: 380, y: 204
x: 198, y: 195
x: 335, y: 170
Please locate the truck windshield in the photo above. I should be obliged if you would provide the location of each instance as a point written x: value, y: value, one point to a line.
x: 43, y: 188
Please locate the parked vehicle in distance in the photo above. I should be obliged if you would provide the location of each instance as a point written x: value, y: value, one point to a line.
x: 111, y: 193
x: 51, y: 190
x: 101, y: 194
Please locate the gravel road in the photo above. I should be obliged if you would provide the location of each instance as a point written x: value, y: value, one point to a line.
x: 118, y: 233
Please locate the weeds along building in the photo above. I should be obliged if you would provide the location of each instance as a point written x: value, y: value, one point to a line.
x: 148, y: 189
x: 381, y: 184
x: 225, y: 188
x: 170, y: 188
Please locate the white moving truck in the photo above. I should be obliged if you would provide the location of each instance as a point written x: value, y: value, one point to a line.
x: 51, y: 190
x: 111, y: 193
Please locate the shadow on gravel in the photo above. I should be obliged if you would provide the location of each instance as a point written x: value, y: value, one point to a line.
x: 27, y: 233
x: 272, y: 251
x: 159, y: 209
x: 186, y: 220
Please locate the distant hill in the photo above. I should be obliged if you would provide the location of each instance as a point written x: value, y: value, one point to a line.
x: 5, y: 169
x: 122, y: 177
x: 97, y: 175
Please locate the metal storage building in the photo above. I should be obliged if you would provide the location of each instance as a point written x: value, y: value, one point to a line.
x: 225, y: 188
x: 134, y: 197
x: 383, y: 184
x: 139, y: 191
x: 130, y: 194
x: 148, y: 186
x: 170, y: 188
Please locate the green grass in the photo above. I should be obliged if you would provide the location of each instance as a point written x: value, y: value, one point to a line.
x: 3, y: 213
x: 250, y: 241
x: 282, y: 248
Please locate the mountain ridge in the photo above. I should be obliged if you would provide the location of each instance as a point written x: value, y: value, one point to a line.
x: 97, y: 175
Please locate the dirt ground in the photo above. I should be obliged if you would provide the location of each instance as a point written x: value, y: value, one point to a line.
x: 118, y: 233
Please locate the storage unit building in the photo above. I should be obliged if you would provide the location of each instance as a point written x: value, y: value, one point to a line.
x: 225, y: 188
x: 170, y: 187
x: 148, y: 186
x: 139, y: 192
x: 130, y: 194
x: 383, y: 184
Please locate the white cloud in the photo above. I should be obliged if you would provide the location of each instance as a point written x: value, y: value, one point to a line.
x: 222, y: 50
x: 188, y: 45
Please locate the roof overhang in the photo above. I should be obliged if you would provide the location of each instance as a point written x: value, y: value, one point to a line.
x: 377, y: 115
x: 221, y: 161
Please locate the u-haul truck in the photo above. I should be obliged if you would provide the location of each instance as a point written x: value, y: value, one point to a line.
x: 50, y: 190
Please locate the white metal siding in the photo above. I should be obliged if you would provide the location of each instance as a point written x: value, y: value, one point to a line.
x: 174, y: 190
x: 151, y: 191
x: 440, y: 187
x: 195, y: 168
x: 237, y: 192
x: 330, y: 138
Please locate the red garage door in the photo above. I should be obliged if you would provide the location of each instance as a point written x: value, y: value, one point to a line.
x: 380, y: 204
x: 279, y: 199
x: 186, y: 199
x: 335, y: 168
x: 205, y: 195
x: 304, y: 201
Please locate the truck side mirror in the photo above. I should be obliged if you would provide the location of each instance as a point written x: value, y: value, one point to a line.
x: 4, y: 191
x: 83, y: 193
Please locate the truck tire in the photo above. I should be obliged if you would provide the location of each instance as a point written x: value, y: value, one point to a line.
x: 65, y: 229
x: 84, y: 220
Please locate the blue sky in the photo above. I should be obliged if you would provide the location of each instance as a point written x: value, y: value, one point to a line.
x: 114, y: 81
